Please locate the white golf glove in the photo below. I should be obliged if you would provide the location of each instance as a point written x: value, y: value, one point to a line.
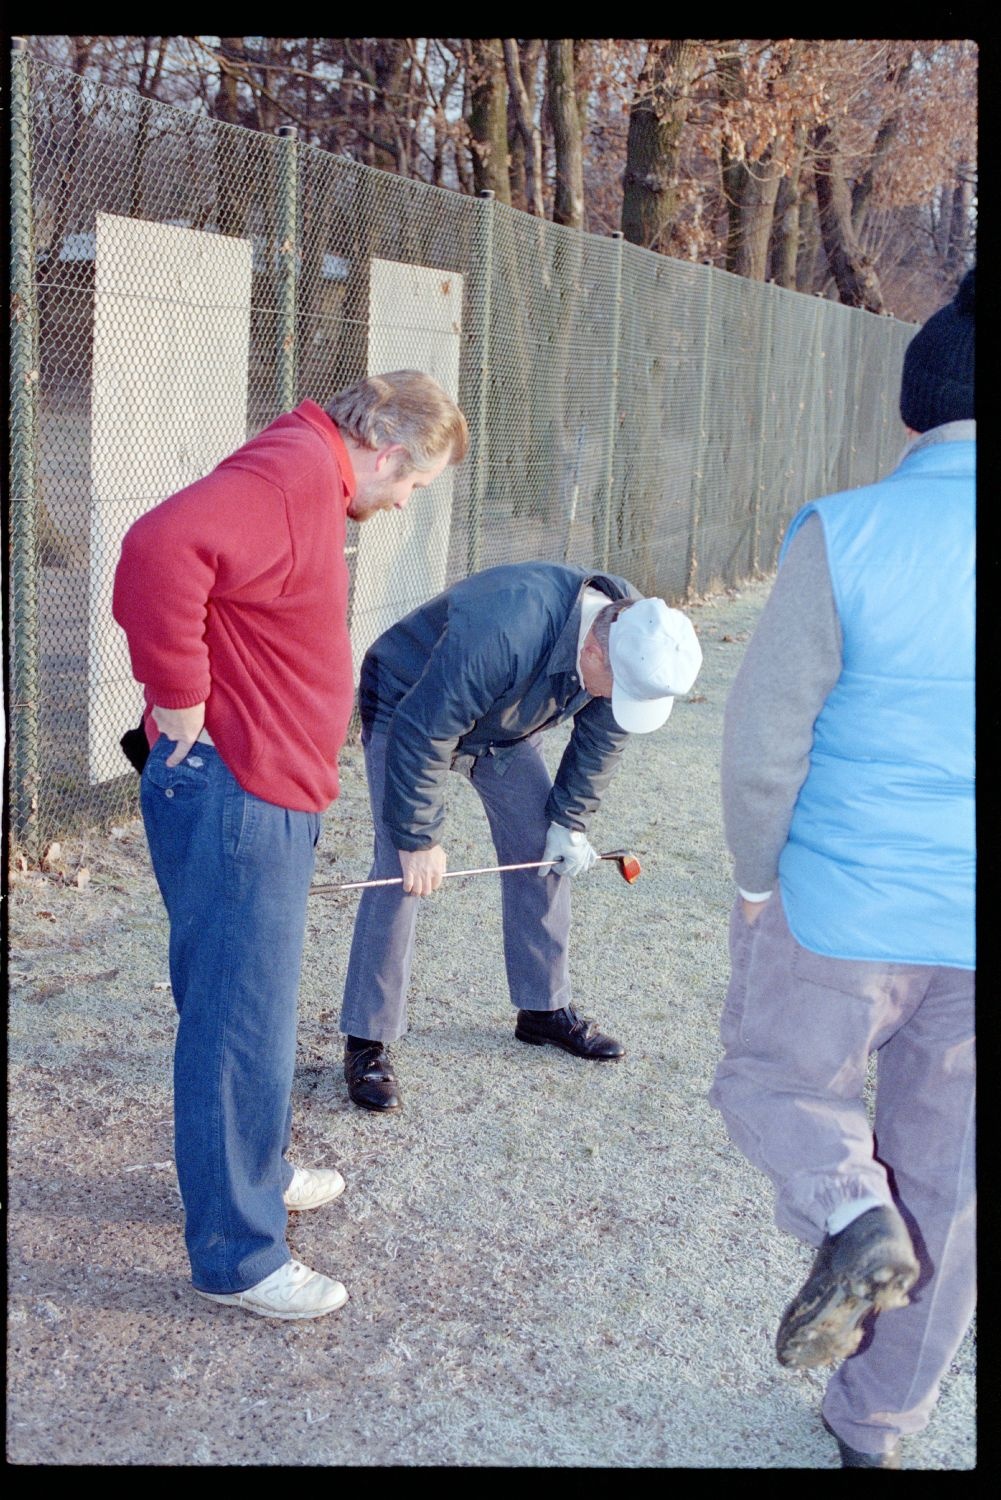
x: 572, y: 850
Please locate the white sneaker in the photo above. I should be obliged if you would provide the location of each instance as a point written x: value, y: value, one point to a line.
x: 310, y: 1188
x: 293, y: 1291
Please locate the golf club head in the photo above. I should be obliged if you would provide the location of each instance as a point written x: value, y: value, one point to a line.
x: 628, y: 865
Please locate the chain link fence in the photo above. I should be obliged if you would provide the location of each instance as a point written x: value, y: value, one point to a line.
x: 178, y: 282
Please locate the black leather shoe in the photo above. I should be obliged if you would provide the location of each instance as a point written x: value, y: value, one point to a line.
x: 565, y: 1028
x: 371, y: 1080
x: 869, y: 1266
x: 853, y: 1458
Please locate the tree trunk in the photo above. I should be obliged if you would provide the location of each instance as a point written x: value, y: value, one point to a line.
x: 751, y: 186
x: 885, y: 135
x: 656, y: 122
x: 568, y: 200
x: 854, y: 277
x: 463, y: 169
x: 528, y: 131
x: 515, y: 157
x: 581, y: 72
x: 961, y: 223
x: 390, y: 61
x: 226, y: 105
x: 267, y: 108
x: 785, y: 231
x: 755, y: 214
x: 147, y: 86
x: 528, y: 58
x: 811, y: 263
x: 307, y: 107
x: 488, y: 118
x: 730, y: 82
x: 438, y: 159
x: 233, y: 190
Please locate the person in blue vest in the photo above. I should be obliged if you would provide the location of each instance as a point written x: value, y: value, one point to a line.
x: 848, y: 800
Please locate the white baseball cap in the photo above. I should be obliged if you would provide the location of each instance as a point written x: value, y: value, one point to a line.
x: 654, y: 654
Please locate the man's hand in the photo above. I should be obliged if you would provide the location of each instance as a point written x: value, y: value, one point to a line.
x: 423, y: 869
x: 181, y: 724
x: 752, y: 910
x: 572, y: 850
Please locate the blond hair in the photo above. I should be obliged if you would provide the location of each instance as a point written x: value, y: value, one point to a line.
x: 403, y: 407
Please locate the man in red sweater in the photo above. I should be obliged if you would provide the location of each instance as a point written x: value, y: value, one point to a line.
x: 233, y: 596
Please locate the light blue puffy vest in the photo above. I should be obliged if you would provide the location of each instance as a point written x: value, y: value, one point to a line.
x: 879, y: 864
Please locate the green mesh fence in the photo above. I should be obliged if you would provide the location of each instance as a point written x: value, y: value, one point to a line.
x: 178, y: 282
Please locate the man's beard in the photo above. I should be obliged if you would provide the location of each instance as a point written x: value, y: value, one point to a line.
x: 378, y: 496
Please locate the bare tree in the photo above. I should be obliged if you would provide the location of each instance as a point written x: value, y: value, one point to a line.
x: 488, y: 117
x: 854, y: 276
x: 232, y: 70
x: 656, y: 122
x: 786, y: 231
x: 755, y: 146
x: 561, y: 98
x: 523, y: 108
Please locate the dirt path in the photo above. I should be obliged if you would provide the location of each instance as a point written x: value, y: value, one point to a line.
x: 549, y: 1262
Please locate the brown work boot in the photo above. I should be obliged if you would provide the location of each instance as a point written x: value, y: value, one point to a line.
x: 868, y: 1267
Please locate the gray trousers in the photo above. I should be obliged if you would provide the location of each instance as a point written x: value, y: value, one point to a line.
x: 797, y: 1031
x: 514, y: 788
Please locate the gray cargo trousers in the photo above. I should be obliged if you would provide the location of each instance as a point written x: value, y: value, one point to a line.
x: 514, y: 788
x: 797, y: 1031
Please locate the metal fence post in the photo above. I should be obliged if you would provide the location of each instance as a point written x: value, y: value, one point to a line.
x: 811, y: 486
x: 759, y: 457
x: 888, y: 397
x: 618, y: 238
x: 823, y: 413
x: 701, y: 438
x: 478, y: 486
x: 288, y: 252
x: 881, y: 424
x: 851, y: 414
x: 24, y: 709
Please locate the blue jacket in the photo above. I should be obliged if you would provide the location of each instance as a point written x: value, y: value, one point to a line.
x: 487, y: 663
x: 880, y: 859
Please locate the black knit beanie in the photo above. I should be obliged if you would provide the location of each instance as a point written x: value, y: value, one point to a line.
x: 937, y: 384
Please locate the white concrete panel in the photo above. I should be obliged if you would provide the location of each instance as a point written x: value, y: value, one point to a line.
x: 171, y: 351
x: 415, y: 323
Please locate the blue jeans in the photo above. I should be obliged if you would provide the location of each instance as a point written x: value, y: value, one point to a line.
x: 234, y: 873
x: 514, y: 788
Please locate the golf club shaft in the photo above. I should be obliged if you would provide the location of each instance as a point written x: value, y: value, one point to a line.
x: 533, y: 864
x: 362, y: 885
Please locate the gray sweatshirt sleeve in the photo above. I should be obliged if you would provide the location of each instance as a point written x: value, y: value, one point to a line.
x: 791, y: 664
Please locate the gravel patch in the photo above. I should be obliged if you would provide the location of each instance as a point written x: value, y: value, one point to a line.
x: 549, y: 1262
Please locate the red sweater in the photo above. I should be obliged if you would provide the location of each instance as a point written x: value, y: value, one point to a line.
x: 233, y: 592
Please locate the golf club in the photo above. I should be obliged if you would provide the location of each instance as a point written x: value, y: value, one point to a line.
x: 628, y: 866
